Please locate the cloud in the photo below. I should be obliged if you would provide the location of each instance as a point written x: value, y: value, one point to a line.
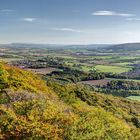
x: 66, y: 29
x: 111, y: 13
x: 133, y: 19
x: 7, y: 10
x: 29, y: 19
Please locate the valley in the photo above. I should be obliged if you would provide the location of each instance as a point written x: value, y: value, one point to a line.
x: 68, y: 90
x: 96, y: 66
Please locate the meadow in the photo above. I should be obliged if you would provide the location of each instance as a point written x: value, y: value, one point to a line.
x: 134, y: 98
x: 112, y: 69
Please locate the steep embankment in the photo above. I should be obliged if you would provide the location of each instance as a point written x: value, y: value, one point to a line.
x: 31, y: 110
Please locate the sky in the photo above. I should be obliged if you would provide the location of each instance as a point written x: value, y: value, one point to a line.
x: 69, y: 21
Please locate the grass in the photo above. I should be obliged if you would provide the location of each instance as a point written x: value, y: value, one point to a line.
x: 112, y: 69
x: 127, y: 58
x: 134, y: 98
x: 9, y: 59
x: 102, y: 57
x: 124, y: 79
x: 124, y: 63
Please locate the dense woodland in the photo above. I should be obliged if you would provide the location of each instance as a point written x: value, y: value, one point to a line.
x: 76, y: 75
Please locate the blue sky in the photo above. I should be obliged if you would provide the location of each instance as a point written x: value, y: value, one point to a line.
x: 69, y: 21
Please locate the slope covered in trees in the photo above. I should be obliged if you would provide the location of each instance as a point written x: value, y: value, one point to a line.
x: 124, y: 47
x: 30, y: 109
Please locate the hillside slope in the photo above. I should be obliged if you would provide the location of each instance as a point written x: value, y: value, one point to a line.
x: 124, y: 47
x: 31, y: 110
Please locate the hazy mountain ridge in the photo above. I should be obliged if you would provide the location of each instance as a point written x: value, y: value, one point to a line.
x: 124, y: 47
x: 66, y: 46
x: 106, y: 47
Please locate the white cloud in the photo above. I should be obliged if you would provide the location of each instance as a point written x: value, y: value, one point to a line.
x: 66, y: 29
x: 111, y: 13
x: 7, y: 10
x: 133, y: 19
x: 29, y: 19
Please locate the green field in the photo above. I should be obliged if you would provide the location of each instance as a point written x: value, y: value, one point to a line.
x: 134, y: 98
x: 9, y: 59
x: 112, y: 69
x: 123, y: 79
x: 124, y: 63
x: 102, y: 57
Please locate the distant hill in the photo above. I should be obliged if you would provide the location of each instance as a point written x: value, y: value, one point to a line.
x: 124, y: 47
x: 54, y: 46
x: 99, y: 47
